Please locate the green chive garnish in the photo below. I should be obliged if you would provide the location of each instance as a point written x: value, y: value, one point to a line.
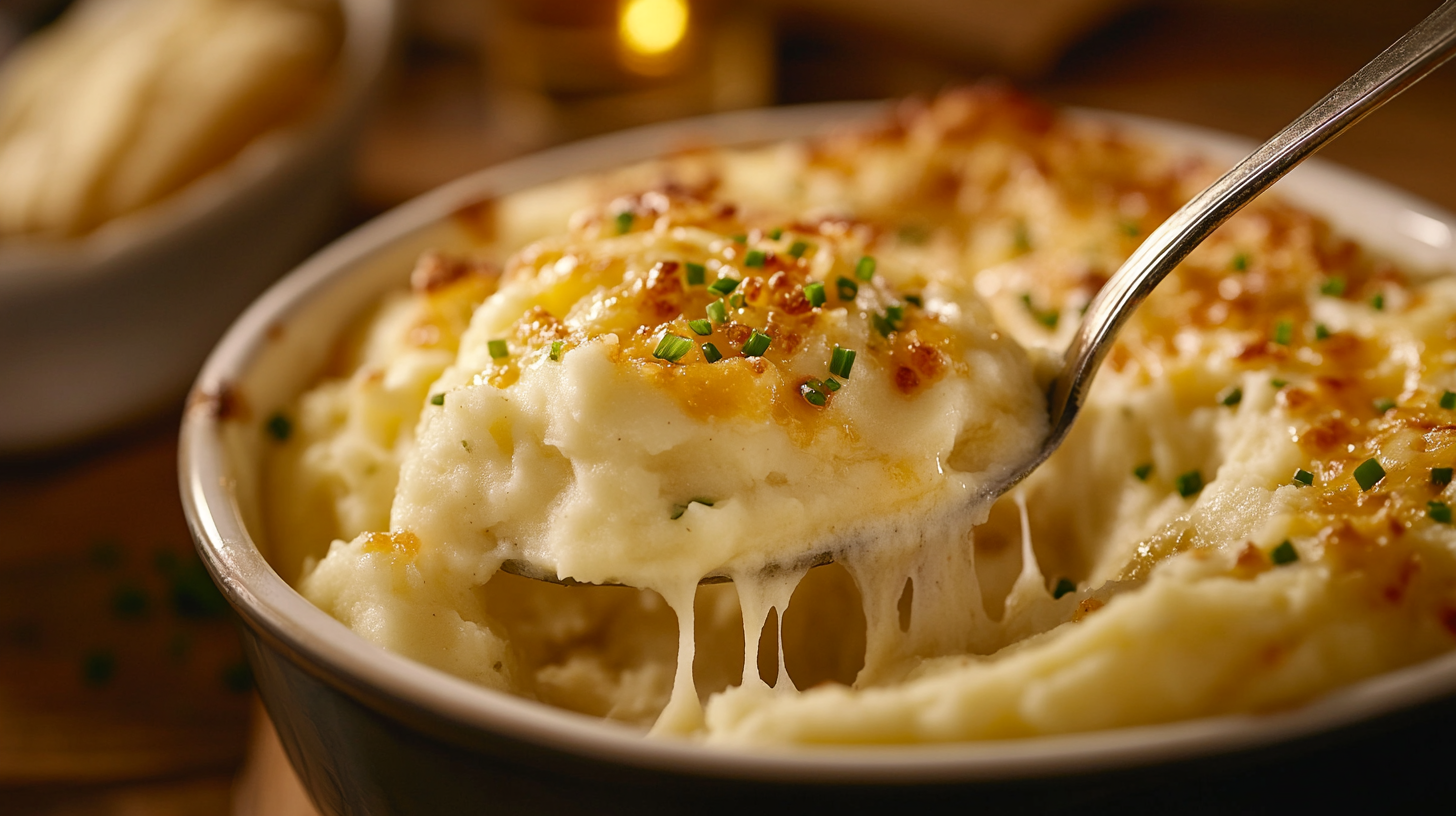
x: 1369, y: 474
x: 672, y: 347
x: 847, y: 288
x: 437, y: 399
x: 701, y: 327
x: 696, y: 273
x: 1378, y: 302
x: 865, y: 269
x: 915, y: 301
x: 498, y: 349
x: 1439, y: 511
x: 1383, y: 404
x: 279, y: 427
x: 711, y: 353
x: 1047, y: 317
x: 755, y: 257
x: 1441, y: 476
x: 1284, y: 554
x: 1284, y: 332
x: 723, y: 286
x: 832, y: 385
x: 812, y: 395
x: 1278, y: 383
x: 1321, y: 331
x: 1448, y: 400
x: 841, y: 361
x: 1232, y: 397
x: 797, y: 249
x: 717, y: 312
x: 814, y: 293
x: 1143, y: 471
x: 624, y: 222
x: 756, y: 345
x: 556, y: 346
x: 1063, y: 587
x: 1304, y: 477
x: 1188, y: 483
x: 775, y: 235
x: 1240, y: 262
x: 889, y: 321
x: 736, y: 300
x: 740, y: 238
x: 1129, y: 228
x: 1333, y: 286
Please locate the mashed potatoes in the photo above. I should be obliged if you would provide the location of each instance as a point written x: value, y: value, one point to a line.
x: 1253, y: 509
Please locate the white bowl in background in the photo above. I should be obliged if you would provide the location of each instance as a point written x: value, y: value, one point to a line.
x: 107, y: 328
x: 370, y: 731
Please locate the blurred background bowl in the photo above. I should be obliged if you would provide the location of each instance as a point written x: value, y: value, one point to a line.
x: 110, y: 327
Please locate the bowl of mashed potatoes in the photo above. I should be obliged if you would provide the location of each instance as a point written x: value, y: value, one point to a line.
x: 160, y: 164
x: 639, y: 473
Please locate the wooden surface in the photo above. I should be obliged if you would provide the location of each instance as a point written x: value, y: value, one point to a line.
x: 119, y: 686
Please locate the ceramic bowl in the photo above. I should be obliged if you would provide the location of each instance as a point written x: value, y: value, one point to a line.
x: 372, y: 732
x: 112, y: 326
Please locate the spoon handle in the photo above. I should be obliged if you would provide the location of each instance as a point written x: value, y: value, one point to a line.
x: 1414, y: 55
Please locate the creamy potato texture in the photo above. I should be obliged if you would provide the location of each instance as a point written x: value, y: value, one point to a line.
x: 640, y: 379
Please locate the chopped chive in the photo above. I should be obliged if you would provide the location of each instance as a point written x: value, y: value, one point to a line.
x: 865, y: 269
x: 797, y: 249
x: 1064, y: 586
x: 890, y: 321
x: 1188, y: 483
x: 814, y: 293
x: 1383, y: 405
x: 756, y: 344
x: 883, y: 326
x: 498, y: 349
x: 1284, y: 554
x: 847, y: 288
x: 1333, y: 286
x: 1284, y: 332
x: 1369, y: 474
x: 672, y: 347
x: 1278, y: 383
x: 841, y: 361
x: 740, y: 238
x: 1304, y: 477
x: 812, y: 395
x: 1448, y: 400
x: 736, y: 300
x: 556, y: 346
x: 1439, y: 511
x: 1240, y: 263
x: 832, y: 385
x: 437, y: 399
x: 717, y: 312
x: 1378, y: 302
x: 755, y: 257
x: 723, y: 286
x: 624, y: 222
x: 1232, y: 397
x: 915, y: 301
x: 1143, y: 471
x: 1129, y: 228
x: 711, y: 353
x: 696, y: 273
x: 1441, y: 476
x: 774, y: 235
x: 279, y: 427
x: 1321, y: 331
x: 1021, y: 238
x: 1046, y: 317
x: 701, y: 327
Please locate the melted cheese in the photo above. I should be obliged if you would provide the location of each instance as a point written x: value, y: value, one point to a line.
x: 1141, y: 575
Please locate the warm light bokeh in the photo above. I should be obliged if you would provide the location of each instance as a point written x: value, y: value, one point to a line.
x: 653, y: 27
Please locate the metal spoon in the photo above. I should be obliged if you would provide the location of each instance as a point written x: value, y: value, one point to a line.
x: 1416, y: 54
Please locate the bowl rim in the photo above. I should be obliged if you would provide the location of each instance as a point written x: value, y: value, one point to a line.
x: 408, y: 690
x: 368, y: 31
